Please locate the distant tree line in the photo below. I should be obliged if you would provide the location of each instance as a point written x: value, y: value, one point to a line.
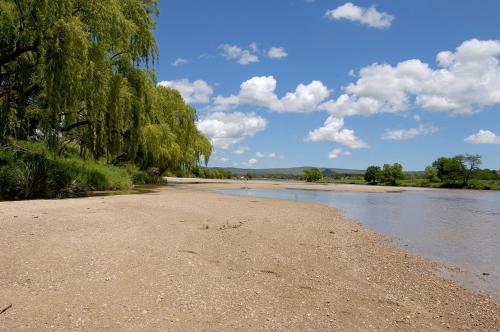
x: 455, y: 172
x: 461, y: 171
x: 213, y: 173
x: 458, y: 171
x: 389, y: 174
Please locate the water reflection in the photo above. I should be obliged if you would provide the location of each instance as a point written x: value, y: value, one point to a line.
x: 458, y: 228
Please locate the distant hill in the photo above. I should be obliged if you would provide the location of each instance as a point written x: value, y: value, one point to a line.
x: 294, y: 171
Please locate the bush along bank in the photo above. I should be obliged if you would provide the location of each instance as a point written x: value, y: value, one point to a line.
x: 31, y: 172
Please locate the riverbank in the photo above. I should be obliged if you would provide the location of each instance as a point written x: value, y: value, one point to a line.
x: 273, y: 184
x: 30, y: 170
x: 186, y: 259
x: 336, y: 185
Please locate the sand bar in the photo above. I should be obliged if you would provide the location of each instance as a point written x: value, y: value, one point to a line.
x: 187, y: 259
x: 269, y: 184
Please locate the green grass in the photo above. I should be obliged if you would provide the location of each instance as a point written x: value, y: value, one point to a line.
x: 422, y: 183
x: 485, y: 184
x: 29, y: 170
x: 343, y: 181
x: 141, y: 177
x: 95, y: 175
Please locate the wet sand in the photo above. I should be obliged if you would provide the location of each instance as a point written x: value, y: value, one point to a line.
x: 187, y: 259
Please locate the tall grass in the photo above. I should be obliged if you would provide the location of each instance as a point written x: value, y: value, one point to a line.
x: 30, y: 171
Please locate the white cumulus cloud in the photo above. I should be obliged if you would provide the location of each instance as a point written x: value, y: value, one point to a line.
x: 261, y: 91
x: 333, y: 130
x: 403, y: 134
x: 227, y: 129
x: 221, y: 103
x: 241, y: 150
x: 367, y: 16
x: 277, y: 53
x: 179, y: 62
x: 484, y: 137
x: 269, y: 155
x: 337, y: 153
x: 466, y: 80
x: 242, y: 56
x: 252, y: 161
x: 197, y: 92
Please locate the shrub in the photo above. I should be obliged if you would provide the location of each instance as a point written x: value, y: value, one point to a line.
x: 25, y: 174
x: 431, y: 174
x: 312, y: 175
x: 143, y: 177
x: 373, y: 174
x: 391, y: 174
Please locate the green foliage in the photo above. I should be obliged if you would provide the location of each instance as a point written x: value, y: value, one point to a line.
x: 140, y: 177
x: 170, y: 140
x: 249, y: 176
x: 450, y: 170
x: 92, y: 175
x: 214, y: 173
x: 431, y: 174
x: 485, y: 179
x: 486, y: 174
x: 471, y: 163
x: 312, y: 175
x: 25, y: 175
x: 391, y: 174
x: 76, y: 73
x: 373, y: 174
x: 61, y: 56
x: 484, y: 184
x: 460, y: 170
x: 28, y: 170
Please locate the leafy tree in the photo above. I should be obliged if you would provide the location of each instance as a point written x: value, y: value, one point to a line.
x: 431, y: 174
x: 373, y: 174
x: 312, y: 174
x: 215, y: 173
x: 249, y: 176
x: 472, y: 163
x: 486, y: 174
x: 450, y: 170
x: 169, y: 138
x: 391, y: 174
x: 68, y: 65
x: 77, y: 72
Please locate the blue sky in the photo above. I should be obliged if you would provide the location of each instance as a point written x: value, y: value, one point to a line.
x: 282, y: 83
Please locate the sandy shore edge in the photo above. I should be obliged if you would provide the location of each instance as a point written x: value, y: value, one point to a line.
x: 271, y: 184
x: 191, y: 259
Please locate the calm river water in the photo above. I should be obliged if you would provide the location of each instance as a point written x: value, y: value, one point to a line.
x: 458, y: 228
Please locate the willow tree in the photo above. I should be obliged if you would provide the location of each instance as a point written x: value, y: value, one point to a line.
x: 78, y: 71
x: 61, y: 56
x: 171, y: 139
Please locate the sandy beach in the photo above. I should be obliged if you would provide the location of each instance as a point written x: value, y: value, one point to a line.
x: 188, y: 259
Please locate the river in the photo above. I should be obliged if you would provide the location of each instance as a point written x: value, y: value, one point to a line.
x: 458, y: 228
